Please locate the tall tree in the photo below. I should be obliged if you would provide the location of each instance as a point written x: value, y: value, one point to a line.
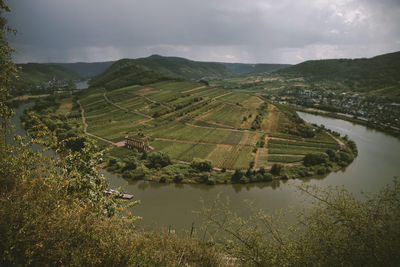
x: 8, y: 73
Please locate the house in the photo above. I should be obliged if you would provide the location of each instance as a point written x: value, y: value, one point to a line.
x: 138, y: 143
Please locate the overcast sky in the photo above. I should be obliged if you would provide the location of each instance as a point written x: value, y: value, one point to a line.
x: 250, y: 31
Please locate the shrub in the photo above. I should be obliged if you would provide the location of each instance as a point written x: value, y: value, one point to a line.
x: 158, y: 159
x: 267, y: 177
x: 237, y: 175
x: 315, y: 159
x: 276, y: 169
x: 201, y: 165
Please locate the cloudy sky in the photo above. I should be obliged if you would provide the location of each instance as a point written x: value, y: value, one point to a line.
x: 250, y: 31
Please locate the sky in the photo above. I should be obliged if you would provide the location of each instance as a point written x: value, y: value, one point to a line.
x: 248, y: 31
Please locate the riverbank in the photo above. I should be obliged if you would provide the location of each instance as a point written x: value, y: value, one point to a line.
x: 366, y: 123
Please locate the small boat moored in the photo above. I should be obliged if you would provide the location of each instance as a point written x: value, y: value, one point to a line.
x: 117, y: 194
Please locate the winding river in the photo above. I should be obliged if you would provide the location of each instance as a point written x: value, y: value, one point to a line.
x: 172, y: 205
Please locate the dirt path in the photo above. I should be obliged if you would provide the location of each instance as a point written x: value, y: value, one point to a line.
x: 222, y: 96
x: 222, y: 129
x: 85, y: 126
x: 122, y: 108
x: 192, y: 141
x: 194, y: 89
x: 202, y: 116
x: 341, y: 144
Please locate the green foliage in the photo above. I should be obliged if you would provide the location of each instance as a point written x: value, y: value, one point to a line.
x: 124, y: 73
x: 158, y: 159
x: 315, y: 159
x: 237, y: 176
x: 276, y: 169
x: 256, y: 124
x: 201, y: 165
x: 32, y: 74
x: 336, y: 230
x: 356, y: 74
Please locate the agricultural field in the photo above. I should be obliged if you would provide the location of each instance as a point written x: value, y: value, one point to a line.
x: 189, y: 120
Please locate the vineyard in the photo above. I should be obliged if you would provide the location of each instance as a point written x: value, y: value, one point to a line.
x: 190, y: 120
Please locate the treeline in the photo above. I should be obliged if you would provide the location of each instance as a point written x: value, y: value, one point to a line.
x: 64, y: 127
x: 358, y: 74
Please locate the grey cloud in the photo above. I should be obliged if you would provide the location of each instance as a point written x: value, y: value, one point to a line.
x: 285, y: 31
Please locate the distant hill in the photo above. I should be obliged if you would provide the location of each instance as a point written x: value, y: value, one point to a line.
x: 239, y: 69
x: 183, y: 68
x: 196, y: 70
x: 380, y: 73
x: 126, y: 72
x: 36, y: 73
x: 85, y: 70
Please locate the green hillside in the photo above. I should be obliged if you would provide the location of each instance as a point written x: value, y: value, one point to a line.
x: 35, y: 73
x: 183, y: 68
x: 86, y: 69
x: 126, y: 72
x: 380, y: 72
x: 36, y: 78
x: 239, y: 69
x: 195, y: 70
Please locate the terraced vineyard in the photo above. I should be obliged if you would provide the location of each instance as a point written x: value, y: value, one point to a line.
x: 191, y: 120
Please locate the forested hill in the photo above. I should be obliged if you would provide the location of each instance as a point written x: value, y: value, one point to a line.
x: 126, y: 72
x: 35, y: 73
x: 377, y: 73
x: 238, y: 69
x: 196, y: 70
x: 85, y: 69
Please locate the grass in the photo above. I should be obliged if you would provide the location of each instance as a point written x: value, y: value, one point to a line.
x: 294, y: 150
x: 183, y: 151
x: 244, y: 158
x: 65, y: 106
x: 181, y: 131
x: 323, y: 145
x: 231, y: 115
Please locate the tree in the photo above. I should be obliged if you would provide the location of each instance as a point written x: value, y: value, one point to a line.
x: 338, y: 229
x: 315, y: 159
x: 158, y: 159
x: 8, y: 74
x: 276, y: 169
x: 237, y: 175
x: 201, y: 165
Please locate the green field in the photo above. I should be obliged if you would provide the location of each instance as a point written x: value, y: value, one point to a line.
x: 190, y: 120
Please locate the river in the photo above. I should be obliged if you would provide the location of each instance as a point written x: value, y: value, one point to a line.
x: 172, y: 205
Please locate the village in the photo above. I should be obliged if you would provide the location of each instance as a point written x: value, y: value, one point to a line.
x: 379, y: 110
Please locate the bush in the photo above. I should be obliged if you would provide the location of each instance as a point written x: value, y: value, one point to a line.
x: 237, y: 175
x: 201, y: 165
x: 158, y: 159
x: 315, y: 159
x: 276, y: 169
x: 178, y: 178
x: 138, y: 174
x: 332, y: 155
x: 267, y: 177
